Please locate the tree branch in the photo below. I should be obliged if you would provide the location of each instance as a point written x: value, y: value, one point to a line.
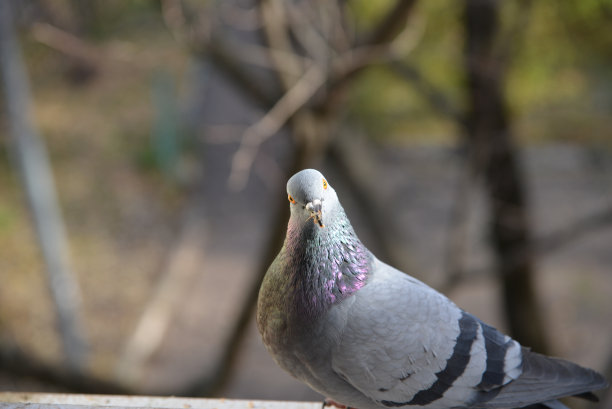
x: 68, y: 44
x: 392, y: 24
x: 434, y: 96
x: 200, y: 41
x: 390, y: 27
x: 36, y: 176
x: 271, y: 123
x: 19, y: 364
x: 577, y: 230
x: 183, y: 265
x: 542, y: 246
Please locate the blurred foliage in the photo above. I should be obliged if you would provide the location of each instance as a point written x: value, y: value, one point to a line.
x: 388, y: 107
x: 366, y: 13
x: 98, y: 20
x: 559, y: 82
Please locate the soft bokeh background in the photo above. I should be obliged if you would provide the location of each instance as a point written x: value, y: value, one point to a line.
x: 171, y: 186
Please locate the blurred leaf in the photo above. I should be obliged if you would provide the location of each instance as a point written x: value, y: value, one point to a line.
x: 7, y: 218
x: 165, y: 134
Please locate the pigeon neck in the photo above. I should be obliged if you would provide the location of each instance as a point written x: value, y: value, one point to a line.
x: 327, y: 264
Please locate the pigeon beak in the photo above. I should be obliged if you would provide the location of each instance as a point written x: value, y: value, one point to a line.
x: 316, y: 213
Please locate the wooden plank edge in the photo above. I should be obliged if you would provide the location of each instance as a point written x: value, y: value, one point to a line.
x: 28, y: 400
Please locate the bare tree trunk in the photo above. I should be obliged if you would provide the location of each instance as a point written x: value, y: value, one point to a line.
x: 494, y: 156
x: 35, y: 172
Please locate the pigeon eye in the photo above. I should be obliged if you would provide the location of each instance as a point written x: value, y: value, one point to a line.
x: 291, y: 199
x: 324, y: 184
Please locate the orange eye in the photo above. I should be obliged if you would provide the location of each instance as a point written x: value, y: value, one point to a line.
x: 324, y: 184
x: 291, y: 199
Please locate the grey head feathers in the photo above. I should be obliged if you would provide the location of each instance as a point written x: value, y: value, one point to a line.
x: 309, y: 184
x: 312, y: 196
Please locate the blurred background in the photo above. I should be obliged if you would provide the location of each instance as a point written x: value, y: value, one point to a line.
x: 145, y: 146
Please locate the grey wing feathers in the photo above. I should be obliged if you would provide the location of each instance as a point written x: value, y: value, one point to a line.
x: 432, y: 354
x: 503, y: 358
x: 543, y: 380
x: 405, y: 353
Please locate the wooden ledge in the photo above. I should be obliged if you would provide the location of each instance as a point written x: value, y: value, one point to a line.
x: 25, y: 400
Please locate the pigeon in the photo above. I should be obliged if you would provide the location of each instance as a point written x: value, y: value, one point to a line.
x: 369, y: 336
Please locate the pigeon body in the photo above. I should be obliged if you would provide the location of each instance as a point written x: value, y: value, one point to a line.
x: 369, y: 336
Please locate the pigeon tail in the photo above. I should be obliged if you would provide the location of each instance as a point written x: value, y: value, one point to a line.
x: 543, y: 380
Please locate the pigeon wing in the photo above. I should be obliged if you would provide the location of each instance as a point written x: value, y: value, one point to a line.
x: 406, y: 344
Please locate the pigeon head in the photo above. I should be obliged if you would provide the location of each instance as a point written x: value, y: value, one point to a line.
x: 312, y: 198
x: 325, y: 260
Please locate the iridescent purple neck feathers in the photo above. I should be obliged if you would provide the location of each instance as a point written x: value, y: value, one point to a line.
x: 327, y: 264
